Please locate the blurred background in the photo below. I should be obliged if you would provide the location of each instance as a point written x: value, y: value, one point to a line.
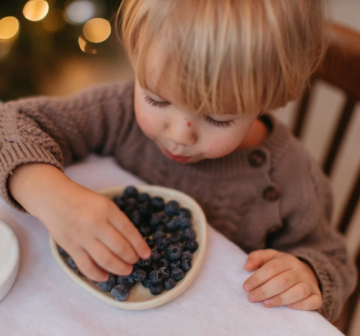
x: 59, y: 47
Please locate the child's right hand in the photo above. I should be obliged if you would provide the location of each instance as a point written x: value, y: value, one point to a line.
x: 88, y: 226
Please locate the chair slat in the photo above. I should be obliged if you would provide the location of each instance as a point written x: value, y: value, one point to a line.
x: 339, y: 134
x: 350, y: 206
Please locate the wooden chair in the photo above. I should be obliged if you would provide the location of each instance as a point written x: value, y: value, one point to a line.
x: 341, y: 68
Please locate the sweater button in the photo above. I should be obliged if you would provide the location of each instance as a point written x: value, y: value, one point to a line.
x: 271, y: 194
x: 257, y: 158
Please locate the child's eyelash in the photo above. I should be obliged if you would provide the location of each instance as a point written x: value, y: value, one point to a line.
x: 219, y: 123
x: 155, y: 102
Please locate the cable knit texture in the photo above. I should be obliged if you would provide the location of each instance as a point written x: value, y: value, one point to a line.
x: 271, y: 196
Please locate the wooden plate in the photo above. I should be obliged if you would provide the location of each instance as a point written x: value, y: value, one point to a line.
x: 140, y: 297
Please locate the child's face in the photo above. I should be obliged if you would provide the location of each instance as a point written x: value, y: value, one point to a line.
x: 184, y: 136
x: 180, y: 134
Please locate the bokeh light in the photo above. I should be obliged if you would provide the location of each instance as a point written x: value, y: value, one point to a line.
x: 36, y: 10
x: 80, y: 11
x: 86, y: 47
x: 9, y: 26
x: 97, y: 30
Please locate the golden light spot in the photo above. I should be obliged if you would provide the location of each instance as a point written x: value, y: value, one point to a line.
x: 97, y: 30
x: 86, y: 47
x: 36, y: 10
x: 9, y: 26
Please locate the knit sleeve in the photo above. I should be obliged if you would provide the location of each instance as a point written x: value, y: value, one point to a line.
x: 306, y: 233
x: 58, y: 131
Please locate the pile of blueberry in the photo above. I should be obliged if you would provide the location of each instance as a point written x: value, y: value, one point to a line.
x: 167, y: 230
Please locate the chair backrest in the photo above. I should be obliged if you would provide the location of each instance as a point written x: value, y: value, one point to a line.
x: 341, y: 68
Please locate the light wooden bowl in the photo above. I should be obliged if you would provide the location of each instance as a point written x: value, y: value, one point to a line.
x: 140, y: 297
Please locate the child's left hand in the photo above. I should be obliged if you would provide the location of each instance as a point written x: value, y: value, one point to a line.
x: 281, y: 280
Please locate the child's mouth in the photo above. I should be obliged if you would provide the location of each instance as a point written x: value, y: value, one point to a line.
x: 177, y: 158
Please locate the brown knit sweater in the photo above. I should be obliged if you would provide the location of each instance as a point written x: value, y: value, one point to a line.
x: 272, y: 196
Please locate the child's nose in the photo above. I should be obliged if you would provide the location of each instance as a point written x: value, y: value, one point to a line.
x: 181, y: 131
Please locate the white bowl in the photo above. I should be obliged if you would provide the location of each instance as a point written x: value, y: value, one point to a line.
x: 140, y: 298
x: 9, y: 258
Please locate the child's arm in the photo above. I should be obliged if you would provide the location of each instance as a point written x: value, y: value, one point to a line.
x: 306, y: 266
x: 36, y: 135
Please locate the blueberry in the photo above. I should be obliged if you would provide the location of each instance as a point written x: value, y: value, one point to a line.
x: 163, y: 263
x: 155, y: 255
x: 156, y: 277
x: 165, y: 271
x: 180, y: 244
x: 159, y: 234
x: 144, y: 263
x: 191, y: 245
x: 175, y: 264
x: 183, y: 223
x: 131, y: 191
x: 120, y: 292
x: 106, y: 286
x: 171, y: 208
x: 178, y: 274
x: 126, y: 280
x: 156, y: 289
x: 156, y: 219
x: 163, y: 242
x: 139, y: 275
x: 185, y: 265
x: 153, y: 267
x: 63, y: 252
x: 173, y: 252
x: 144, y: 197
x: 150, y: 242
x: 189, y: 234
x: 135, y: 218
x: 145, y: 230
x: 158, y: 203
x: 166, y: 219
x: 172, y: 226
x: 169, y: 283
x: 146, y: 209
x: 121, y: 201
x: 71, y: 263
x: 176, y: 237
x: 160, y: 227
x: 184, y: 212
x: 146, y: 283
x: 186, y: 255
x: 130, y: 207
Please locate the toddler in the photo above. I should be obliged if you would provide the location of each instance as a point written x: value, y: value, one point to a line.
x: 207, y: 75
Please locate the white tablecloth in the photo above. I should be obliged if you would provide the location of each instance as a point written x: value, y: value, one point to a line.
x: 44, y: 301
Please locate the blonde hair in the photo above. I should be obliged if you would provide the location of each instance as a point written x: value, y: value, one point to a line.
x: 260, y: 52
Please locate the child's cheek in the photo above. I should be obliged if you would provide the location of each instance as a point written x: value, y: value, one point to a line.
x: 146, y: 123
x: 219, y: 147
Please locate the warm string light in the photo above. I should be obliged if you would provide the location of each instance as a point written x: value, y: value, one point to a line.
x: 9, y: 29
x: 36, y: 10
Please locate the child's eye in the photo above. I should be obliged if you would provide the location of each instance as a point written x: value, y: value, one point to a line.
x: 155, y: 102
x: 219, y: 123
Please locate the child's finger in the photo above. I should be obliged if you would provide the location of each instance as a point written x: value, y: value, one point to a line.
x: 297, y: 293
x: 274, y: 286
x: 128, y: 230
x: 106, y: 259
x: 258, y: 258
x: 118, y: 244
x: 313, y: 302
x: 268, y: 271
x: 88, y: 267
